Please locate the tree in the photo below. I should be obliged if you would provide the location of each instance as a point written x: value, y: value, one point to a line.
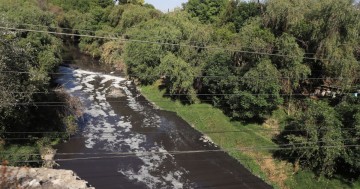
x: 258, y: 93
x: 26, y: 59
x: 15, y: 87
x: 142, y: 59
x: 314, y: 137
x: 219, y: 78
x: 133, y: 15
x: 349, y: 110
x: 238, y: 12
x: 165, y: 34
x: 322, y: 29
x: 179, y: 75
x: 254, y: 37
x: 136, y: 2
x: 82, y: 5
x: 207, y: 11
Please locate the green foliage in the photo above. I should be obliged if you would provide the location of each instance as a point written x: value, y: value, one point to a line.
x: 178, y: 74
x: 133, y: 15
x: 136, y: 2
x: 24, y: 12
x: 219, y: 77
x: 82, y: 5
x: 323, y: 30
x: 15, y: 59
x: 349, y: 110
x: 258, y: 93
x: 26, y: 59
x: 143, y: 58
x: 19, y: 155
x: 238, y: 12
x: 290, y: 65
x: 112, y: 52
x: 255, y: 37
x: 206, y: 10
x: 71, y: 124
x: 315, y: 137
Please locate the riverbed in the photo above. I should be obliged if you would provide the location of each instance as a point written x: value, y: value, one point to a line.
x: 125, y: 142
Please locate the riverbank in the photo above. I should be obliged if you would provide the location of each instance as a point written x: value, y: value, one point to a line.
x: 248, y: 139
x: 34, y: 178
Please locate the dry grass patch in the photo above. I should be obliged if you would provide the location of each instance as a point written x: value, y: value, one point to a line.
x: 272, y: 127
x: 276, y: 171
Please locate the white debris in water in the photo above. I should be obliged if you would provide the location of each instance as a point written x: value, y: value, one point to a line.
x: 206, y: 139
x: 153, y: 163
x: 95, y: 112
x: 133, y: 104
x: 77, y: 88
x: 174, y: 179
x: 114, y: 132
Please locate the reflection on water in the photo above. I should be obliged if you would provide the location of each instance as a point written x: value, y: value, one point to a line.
x: 130, y: 124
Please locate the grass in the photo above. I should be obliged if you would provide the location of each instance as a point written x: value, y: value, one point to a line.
x: 16, y: 155
x: 26, y: 154
x: 206, y: 118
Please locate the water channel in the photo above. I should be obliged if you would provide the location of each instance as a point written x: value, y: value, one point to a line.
x: 116, y: 135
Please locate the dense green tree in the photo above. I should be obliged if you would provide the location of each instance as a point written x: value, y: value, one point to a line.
x: 82, y: 5
x: 26, y: 59
x: 143, y: 58
x: 256, y: 41
x: 314, y: 137
x: 207, y: 11
x: 291, y: 65
x: 349, y: 111
x: 136, y: 2
x: 13, y: 58
x: 179, y: 75
x: 238, y: 12
x: 258, y: 93
x: 324, y: 31
x: 219, y: 77
x: 23, y: 73
x: 133, y: 15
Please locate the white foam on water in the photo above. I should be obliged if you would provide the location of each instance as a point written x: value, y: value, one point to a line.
x: 77, y: 88
x: 100, y: 129
x: 174, y: 179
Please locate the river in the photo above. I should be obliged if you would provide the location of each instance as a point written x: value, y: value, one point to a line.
x: 127, y: 143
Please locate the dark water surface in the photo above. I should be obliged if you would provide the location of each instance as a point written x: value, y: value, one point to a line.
x: 117, y: 134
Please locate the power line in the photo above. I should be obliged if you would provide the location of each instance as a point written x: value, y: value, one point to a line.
x: 160, y: 43
x: 260, y: 128
x: 258, y: 148
x: 60, y: 104
x: 127, y: 156
x: 205, y: 76
x: 177, y: 94
x: 280, y: 146
x: 64, y: 104
x: 117, y: 34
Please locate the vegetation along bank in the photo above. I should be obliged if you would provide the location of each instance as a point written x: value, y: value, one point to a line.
x: 277, y: 80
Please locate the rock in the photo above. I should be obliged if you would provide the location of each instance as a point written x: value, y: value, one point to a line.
x: 47, y: 155
x: 40, y: 178
x: 115, y: 93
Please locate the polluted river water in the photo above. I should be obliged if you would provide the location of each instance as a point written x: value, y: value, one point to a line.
x: 125, y: 142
